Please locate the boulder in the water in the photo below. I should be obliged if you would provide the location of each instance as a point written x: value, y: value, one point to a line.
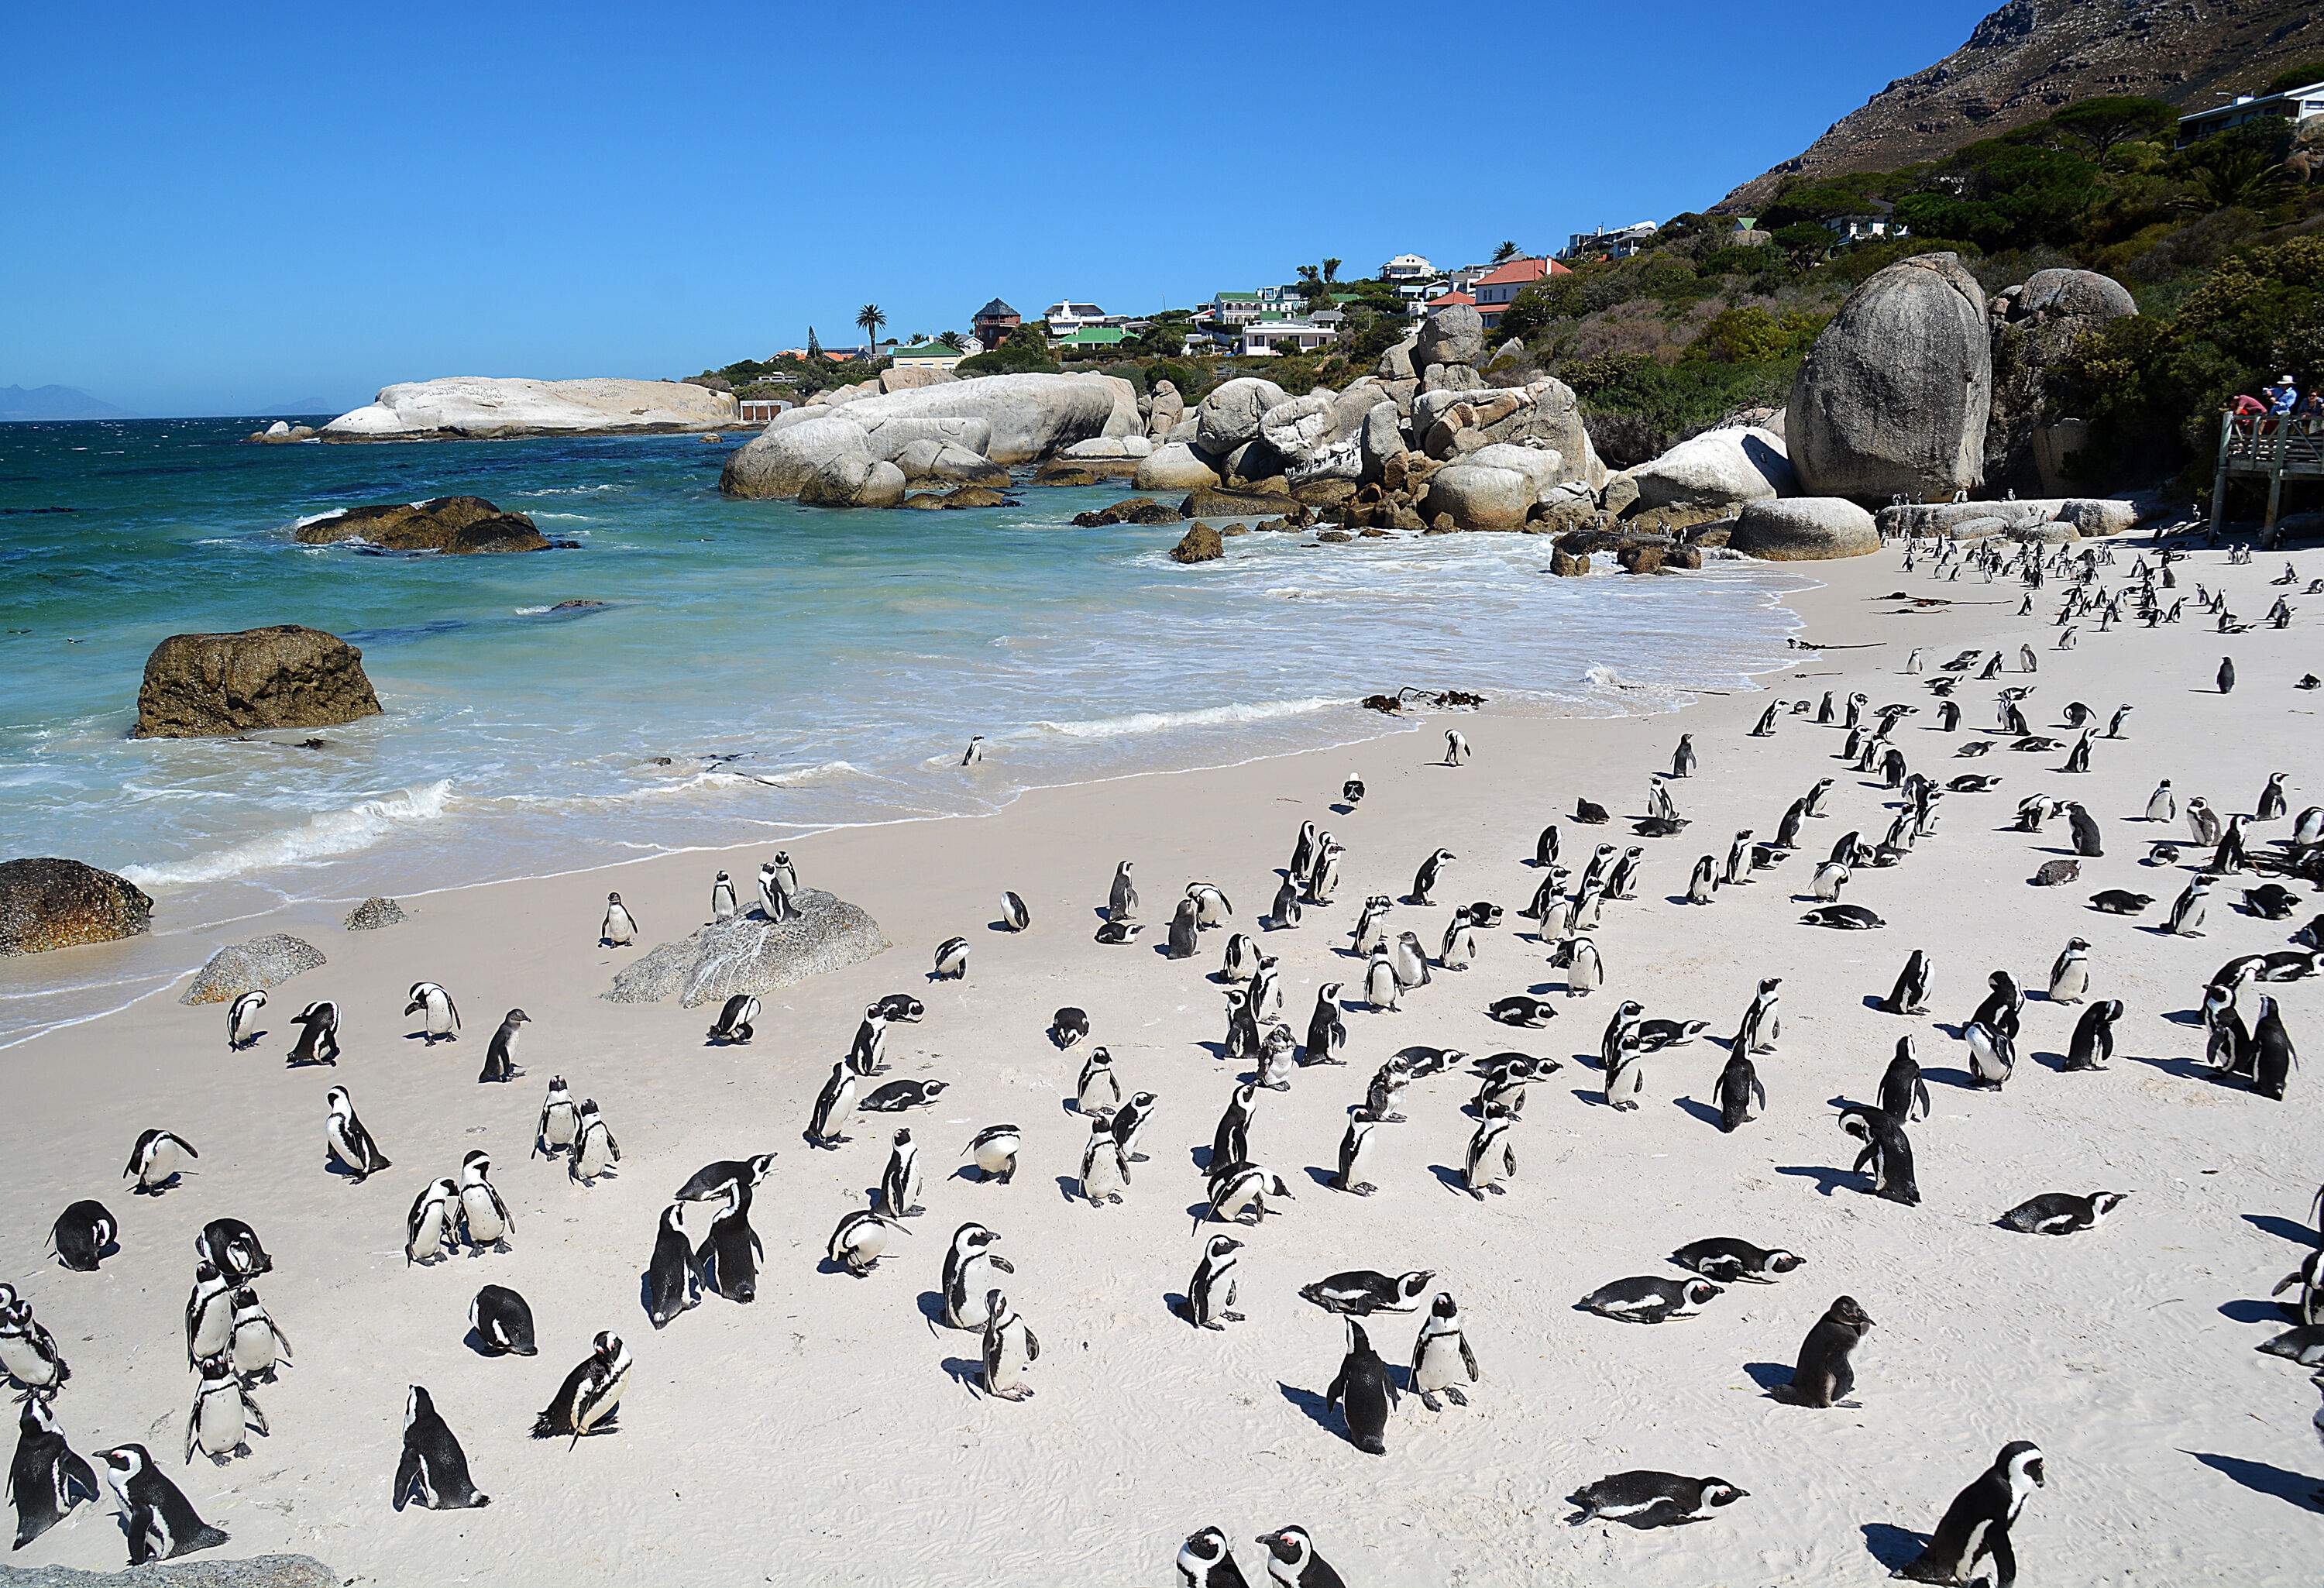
x: 457, y: 526
x: 750, y: 953
x: 284, y: 676
x: 51, y: 903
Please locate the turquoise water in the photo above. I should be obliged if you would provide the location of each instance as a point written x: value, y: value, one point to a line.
x: 760, y: 668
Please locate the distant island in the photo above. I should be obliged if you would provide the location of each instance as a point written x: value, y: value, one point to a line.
x: 54, y: 402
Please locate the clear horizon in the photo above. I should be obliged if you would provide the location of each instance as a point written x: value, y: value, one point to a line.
x: 222, y: 216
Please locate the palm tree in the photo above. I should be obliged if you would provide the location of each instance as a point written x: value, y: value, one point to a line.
x: 1331, y: 270
x: 1505, y: 252
x: 951, y: 339
x: 870, y: 318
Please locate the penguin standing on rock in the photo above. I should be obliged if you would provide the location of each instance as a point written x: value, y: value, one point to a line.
x: 721, y: 899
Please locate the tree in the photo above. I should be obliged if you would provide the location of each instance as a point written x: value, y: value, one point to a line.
x: 1311, y: 285
x: 814, y: 347
x: 2299, y: 77
x: 1530, y: 313
x: 2099, y: 125
x: 1331, y: 270
x: 1802, y: 240
x: 1505, y: 252
x: 1026, y: 349
x: 2242, y: 169
x: 870, y: 318
x: 951, y: 339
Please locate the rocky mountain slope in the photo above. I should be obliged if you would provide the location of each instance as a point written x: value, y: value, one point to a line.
x: 2030, y: 56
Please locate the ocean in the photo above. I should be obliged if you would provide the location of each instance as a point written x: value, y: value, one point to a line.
x: 757, y: 669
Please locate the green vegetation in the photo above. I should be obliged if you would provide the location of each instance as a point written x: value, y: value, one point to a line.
x: 1026, y: 350
x: 2299, y: 77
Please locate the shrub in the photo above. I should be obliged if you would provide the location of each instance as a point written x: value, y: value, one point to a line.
x: 1026, y: 350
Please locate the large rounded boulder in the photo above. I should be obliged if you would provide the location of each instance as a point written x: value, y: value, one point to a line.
x: 1804, y: 529
x: 51, y: 903
x: 1231, y: 415
x: 1454, y: 334
x: 1894, y: 395
x: 1174, y: 466
x: 2034, y: 326
x: 199, y: 686
x: 1718, y: 468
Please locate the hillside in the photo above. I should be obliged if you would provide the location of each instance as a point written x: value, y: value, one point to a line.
x: 2032, y: 56
x: 54, y: 402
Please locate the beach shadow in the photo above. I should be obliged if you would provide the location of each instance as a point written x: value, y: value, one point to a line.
x: 1342, y: 808
x: 1891, y: 1545
x: 1451, y: 1178
x: 1951, y: 1077
x: 1695, y: 1108
x: 2263, y: 1478
x: 2051, y: 1061
x: 1179, y: 1306
x: 1595, y: 1096
x: 931, y: 1306
x: 1069, y: 1188
x: 2246, y: 1310
x: 1770, y: 1376
x: 967, y: 1372
x: 2187, y: 1069
x: 1322, y: 1177
x: 1317, y: 1409
x: 1828, y: 1180
x: 2274, y: 1225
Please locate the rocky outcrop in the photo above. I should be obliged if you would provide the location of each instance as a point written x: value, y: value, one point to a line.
x: 374, y: 913
x: 1137, y: 509
x: 1894, y: 395
x: 1231, y: 415
x: 1164, y: 409
x: 1320, y: 435
x: 1002, y: 418
x: 261, y: 961
x: 470, y: 406
x: 750, y: 953
x: 457, y: 526
x: 959, y: 496
x: 51, y: 903
x: 1496, y: 487
x: 1454, y: 334
x: 259, y: 1570
x: 1718, y: 468
x: 2034, y: 326
x: 929, y: 459
x: 2091, y: 516
x: 1804, y: 529
x: 1252, y: 504
x: 287, y: 677
x: 1200, y: 543
x: 282, y: 433
x: 1174, y: 466
x: 1448, y: 423
x: 1110, y: 448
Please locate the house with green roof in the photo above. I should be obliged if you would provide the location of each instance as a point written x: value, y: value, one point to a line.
x: 1089, y: 336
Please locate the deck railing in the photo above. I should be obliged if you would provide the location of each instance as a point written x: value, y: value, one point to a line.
x: 2289, y: 448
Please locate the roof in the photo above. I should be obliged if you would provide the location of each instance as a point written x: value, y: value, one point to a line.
x: 2247, y: 104
x: 1447, y: 299
x: 1094, y: 336
x: 1516, y: 270
x: 1236, y: 298
x: 927, y: 350
x: 996, y: 310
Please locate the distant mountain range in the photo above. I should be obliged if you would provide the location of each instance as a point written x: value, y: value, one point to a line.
x: 2030, y: 56
x: 55, y: 403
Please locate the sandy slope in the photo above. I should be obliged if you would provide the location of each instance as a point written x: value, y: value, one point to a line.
x: 824, y: 1434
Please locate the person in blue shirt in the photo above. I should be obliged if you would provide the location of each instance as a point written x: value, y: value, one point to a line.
x: 2283, y: 397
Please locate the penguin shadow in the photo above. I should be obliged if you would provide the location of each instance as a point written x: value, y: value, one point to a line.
x: 2274, y: 1224
x: 1946, y: 1076
x: 2185, y: 1017
x: 1774, y: 1377
x: 1342, y: 808
x: 971, y: 1174
x: 931, y: 1306
x: 1827, y: 1179
x: 1451, y: 1178
x: 1695, y: 1108
x: 2055, y: 1062
x: 2263, y: 1478
x: 1322, y: 1177
x: 1179, y: 1306
x: 488, y: 1351
x: 2190, y: 1069
x: 1069, y: 1187
x: 968, y: 1372
x: 2250, y: 1310
x: 1317, y: 1409
x: 1891, y: 1545
x: 163, y: 1189
x: 1594, y: 1096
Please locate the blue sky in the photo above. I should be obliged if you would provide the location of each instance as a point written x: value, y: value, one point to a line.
x: 217, y: 209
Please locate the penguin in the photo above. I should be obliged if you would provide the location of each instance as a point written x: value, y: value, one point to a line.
x: 502, y: 1321
x: 896, y: 1097
x: 433, y: 1469
x: 45, y: 1478
x: 1121, y: 902
x: 1886, y: 1151
x: 1324, y: 882
x: 1010, y: 1348
x: 1410, y: 960
x: 721, y: 899
x: 1230, y: 1141
x: 620, y: 928
x: 2061, y: 1213
x: 1302, y: 850
x: 1185, y: 923
x: 84, y: 1236
x: 485, y: 1218
x: 866, y: 1055
x: 2274, y: 1065
x: 224, y: 1412
x: 1363, y: 1392
x: 2161, y: 805
x: 1105, y: 1166
x: 1910, y: 993
x: 728, y: 1257
x: 428, y: 1229
x: 1458, y: 951
x: 1213, y: 908
x: 1355, y: 1146
x: 1763, y: 1019
x: 1992, y: 1054
x: 1648, y: 1299
x: 2003, y: 1005
x: 1765, y: 728
x: 2084, y: 828
x: 155, y: 1513
x: 737, y: 1021
x: 1824, y: 1376
x: 1383, y: 990
x: 29, y: 1353
x: 952, y: 960
x: 2188, y: 909
x: 1424, y: 880
x: 589, y: 1401
x: 155, y: 1162
x: 1242, y: 1190
x: 1830, y: 877
x: 975, y: 753
x: 319, y: 1035
x: 2069, y: 977
x: 1683, y: 760
x: 349, y: 1141
x: 1739, y: 855
x: 1700, y: 883
x: 2120, y: 901
x: 1327, y: 1029
x: 242, y: 1019
x: 2308, y: 1280
x: 833, y: 1105
x: 2078, y: 760
x: 232, y: 1247
x: 968, y: 1266
x: 1211, y: 1294
x: 1387, y: 1083
x: 1098, y: 1089
x: 1491, y: 1158
x: 1204, y: 1561
x: 1725, y: 1260
x: 2225, y: 676
x: 441, y: 1016
x: 2202, y: 822
x: 1741, y: 1097
x: 1370, y: 934
x: 1625, y: 1075
x: 1975, y: 1528
x: 1351, y: 791
x: 1904, y: 1093
x: 1584, y: 971
x: 1456, y: 748
x: 859, y: 1241
x: 260, y: 1345
x: 1292, y: 1561
x: 559, y: 1126
x: 594, y: 1151
x: 779, y: 888
x: 672, y: 1281
x: 1285, y: 912
x: 500, y: 1053
x: 1014, y: 916
x: 2093, y: 1041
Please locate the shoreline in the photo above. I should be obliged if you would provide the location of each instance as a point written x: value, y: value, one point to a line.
x: 2106, y: 1348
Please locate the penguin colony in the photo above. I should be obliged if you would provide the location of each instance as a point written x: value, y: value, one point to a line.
x: 705, y: 1244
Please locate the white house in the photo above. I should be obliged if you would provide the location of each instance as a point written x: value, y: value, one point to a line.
x: 1618, y: 243
x: 2293, y: 105
x: 1406, y: 267
x: 1265, y: 338
x: 1864, y: 228
x: 935, y: 355
x: 1065, y: 317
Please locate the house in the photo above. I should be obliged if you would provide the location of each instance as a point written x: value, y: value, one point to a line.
x: 1871, y: 227
x: 1499, y: 288
x: 992, y: 323
x: 2293, y: 105
x: 1091, y: 338
x: 1265, y: 339
x: 1066, y: 317
x: 933, y: 354
x: 1618, y: 243
x: 1406, y: 267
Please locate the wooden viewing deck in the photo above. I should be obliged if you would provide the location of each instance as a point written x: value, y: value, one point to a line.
x: 2275, y: 450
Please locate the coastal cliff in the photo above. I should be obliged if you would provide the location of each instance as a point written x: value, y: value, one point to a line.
x: 469, y: 407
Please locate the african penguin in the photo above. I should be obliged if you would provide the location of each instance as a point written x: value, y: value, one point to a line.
x: 1824, y: 1376
x: 433, y: 1469
x: 589, y: 1400
x: 155, y: 1514
x: 502, y: 1321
